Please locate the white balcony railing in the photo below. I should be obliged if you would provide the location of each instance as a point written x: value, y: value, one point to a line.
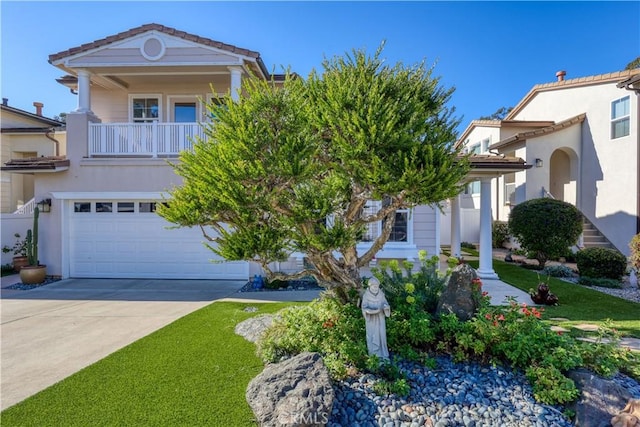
x: 141, y: 139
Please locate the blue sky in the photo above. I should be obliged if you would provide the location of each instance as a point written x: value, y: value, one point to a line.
x: 493, y: 53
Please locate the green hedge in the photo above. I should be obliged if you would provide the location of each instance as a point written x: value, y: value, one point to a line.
x: 601, y: 263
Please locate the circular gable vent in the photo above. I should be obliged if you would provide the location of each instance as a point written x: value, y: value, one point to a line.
x: 153, y: 48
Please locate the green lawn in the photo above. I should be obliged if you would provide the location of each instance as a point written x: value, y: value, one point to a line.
x: 577, y: 303
x: 193, y: 372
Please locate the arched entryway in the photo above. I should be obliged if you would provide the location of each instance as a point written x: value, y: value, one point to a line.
x: 563, y: 175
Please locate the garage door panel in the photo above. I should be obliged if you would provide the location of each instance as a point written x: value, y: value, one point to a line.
x: 142, y: 245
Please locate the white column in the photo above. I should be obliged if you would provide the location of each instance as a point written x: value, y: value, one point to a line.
x: 485, y: 270
x: 455, y: 226
x: 236, y: 82
x: 84, y: 92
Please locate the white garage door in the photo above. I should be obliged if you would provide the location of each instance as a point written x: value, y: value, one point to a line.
x: 127, y: 239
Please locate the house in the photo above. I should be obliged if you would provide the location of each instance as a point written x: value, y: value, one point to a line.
x: 25, y: 135
x: 582, y: 137
x: 141, y: 96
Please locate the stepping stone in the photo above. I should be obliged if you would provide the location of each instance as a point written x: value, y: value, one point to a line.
x: 587, y: 327
x: 559, y: 319
x: 559, y: 329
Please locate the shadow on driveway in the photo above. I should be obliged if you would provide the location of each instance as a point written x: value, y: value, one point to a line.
x: 128, y: 290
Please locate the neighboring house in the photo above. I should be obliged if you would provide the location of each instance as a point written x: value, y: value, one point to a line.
x: 582, y: 137
x: 25, y: 135
x: 141, y: 96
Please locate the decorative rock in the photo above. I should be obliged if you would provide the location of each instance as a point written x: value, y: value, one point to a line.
x: 458, y: 295
x: 296, y: 392
x: 600, y: 399
x: 629, y: 416
x: 253, y: 328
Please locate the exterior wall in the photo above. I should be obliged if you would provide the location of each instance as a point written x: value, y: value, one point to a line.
x: 174, y: 50
x: 426, y: 233
x: 112, y: 106
x: 5, y: 177
x: 17, y: 189
x: 542, y: 148
x: 12, y: 224
x: 607, y: 191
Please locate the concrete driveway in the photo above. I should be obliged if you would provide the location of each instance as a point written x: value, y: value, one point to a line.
x: 49, y: 333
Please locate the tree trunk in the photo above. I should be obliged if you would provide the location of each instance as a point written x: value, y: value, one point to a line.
x: 341, y: 278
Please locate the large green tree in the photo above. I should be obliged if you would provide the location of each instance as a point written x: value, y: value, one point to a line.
x: 290, y: 168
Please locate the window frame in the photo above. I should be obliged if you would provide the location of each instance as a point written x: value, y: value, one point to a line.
x: 145, y: 96
x: 505, y: 198
x: 614, y: 120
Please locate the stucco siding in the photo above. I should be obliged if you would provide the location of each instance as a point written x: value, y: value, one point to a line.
x: 607, y: 193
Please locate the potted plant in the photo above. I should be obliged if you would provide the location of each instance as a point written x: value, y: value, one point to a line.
x: 33, y: 273
x: 19, y: 250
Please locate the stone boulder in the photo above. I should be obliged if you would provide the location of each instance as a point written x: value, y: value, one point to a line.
x: 295, y: 392
x: 459, y: 294
x: 600, y: 399
x: 253, y: 328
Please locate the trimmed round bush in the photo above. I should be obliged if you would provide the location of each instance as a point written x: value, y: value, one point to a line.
x: 601, y: 263
x: 546, y: 227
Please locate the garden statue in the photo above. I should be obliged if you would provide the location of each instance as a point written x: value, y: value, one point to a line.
x: 375, y: 309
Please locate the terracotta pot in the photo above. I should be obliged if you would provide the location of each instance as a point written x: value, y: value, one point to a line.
x: 19, y: 262
x: 33, y: 274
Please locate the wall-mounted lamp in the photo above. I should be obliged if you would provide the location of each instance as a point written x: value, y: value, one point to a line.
x: 538, y: 163
x: 44, y: 205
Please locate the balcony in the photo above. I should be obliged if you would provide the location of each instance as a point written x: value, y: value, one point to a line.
x: 142, y: 139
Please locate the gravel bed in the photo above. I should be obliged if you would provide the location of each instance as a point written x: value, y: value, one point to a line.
x: 453, y: 394
x: 627, y: 291
x: 294, y: 285
x: 25, y: 287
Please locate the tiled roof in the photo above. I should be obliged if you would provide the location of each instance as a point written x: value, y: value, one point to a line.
x: 523, y: 136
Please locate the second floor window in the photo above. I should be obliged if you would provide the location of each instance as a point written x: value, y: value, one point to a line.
x: 620, y: 117
x: 146, y: 110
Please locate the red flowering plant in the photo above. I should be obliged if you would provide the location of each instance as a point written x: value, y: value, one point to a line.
x: 481, y: 297
x: 515, y: 335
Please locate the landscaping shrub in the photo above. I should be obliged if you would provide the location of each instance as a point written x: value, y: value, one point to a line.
x: 634, y: 258
x: 558, y: 271
x: 499, y: 234
x: 515, y: 335
x: 547, y: 227
x: 412, y: 290
x: 512, y: 335
x: 467, y: 245
x: 334, y: 330
x: 601, y: 263
x: 599, y: 281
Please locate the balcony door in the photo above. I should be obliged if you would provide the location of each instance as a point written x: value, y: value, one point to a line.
x: 183, y: 109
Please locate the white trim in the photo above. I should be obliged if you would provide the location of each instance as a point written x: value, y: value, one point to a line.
x: 169, y: 73
x: 65, y: 218
x: 171, y: 99
x: 109, y: 195
x: 613, y: 120
x: 158, y: 96
x: 163, y: 48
